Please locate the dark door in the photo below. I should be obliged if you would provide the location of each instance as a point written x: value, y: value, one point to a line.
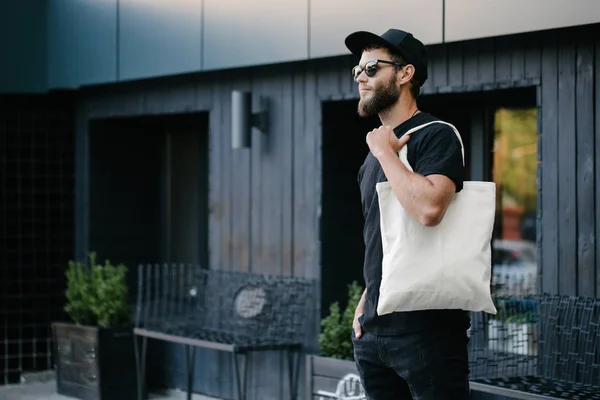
x: 149, y: 190
x: 185, y: 197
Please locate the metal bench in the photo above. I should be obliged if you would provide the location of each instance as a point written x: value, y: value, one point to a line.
x: 538, y: 347
x: 237, y: 312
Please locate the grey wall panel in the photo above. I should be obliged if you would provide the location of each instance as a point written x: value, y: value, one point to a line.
x: 22, y: 46
x: 469, y: 19
x: 254, y: 32
x: 159, y: 37
x: 332, y: 20
x: 82, y: 42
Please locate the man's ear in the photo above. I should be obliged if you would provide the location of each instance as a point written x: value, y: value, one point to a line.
x: 407, y: 74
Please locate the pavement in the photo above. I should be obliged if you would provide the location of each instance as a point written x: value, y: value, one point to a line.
x: 47, y: 391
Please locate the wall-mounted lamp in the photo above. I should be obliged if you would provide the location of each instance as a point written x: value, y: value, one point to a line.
x: 243, y: 119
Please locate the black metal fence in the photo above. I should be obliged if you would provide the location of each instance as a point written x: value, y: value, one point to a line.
x: 546, y: 344
x: 37, y: 145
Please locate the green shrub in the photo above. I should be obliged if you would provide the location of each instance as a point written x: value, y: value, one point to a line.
x: 97, y: 294
x: 335, y: 340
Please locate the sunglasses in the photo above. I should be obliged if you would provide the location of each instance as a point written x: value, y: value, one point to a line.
x: 371, y: 68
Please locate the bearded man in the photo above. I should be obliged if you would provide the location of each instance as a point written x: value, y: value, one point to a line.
x: 420, y: 355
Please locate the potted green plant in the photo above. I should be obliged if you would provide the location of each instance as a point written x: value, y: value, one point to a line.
x: 95, y: 350
x: 333, y: 373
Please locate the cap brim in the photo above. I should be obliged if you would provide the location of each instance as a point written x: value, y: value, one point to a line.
x: 356, y: 42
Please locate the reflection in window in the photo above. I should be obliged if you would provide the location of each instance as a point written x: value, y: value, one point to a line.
x: 514, y: 264
x: 514, y: 172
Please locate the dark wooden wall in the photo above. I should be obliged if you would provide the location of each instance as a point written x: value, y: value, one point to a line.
x: 265, y: 201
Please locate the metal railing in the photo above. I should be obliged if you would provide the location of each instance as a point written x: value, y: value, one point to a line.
x: 547, y: 344
x: 240, y: 308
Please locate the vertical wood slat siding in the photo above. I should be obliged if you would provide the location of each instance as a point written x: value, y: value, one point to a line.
x: 300, y: 206
x: 224, y: 99
x: 241, y: 191
x: 586, y: 234
x: 532, y: 44
x: 216, y: 182
x: 517, y: 59
x: 439, y: 68
x: 268, y: 201
x: 348, y: 86
x: 287, y: 198
x: 256, y: 205
x: 487, y: 61
x: 470, y: 63
x: 567, y: 156
x: 503, y: 56
x: 455, y: 64
x: 549, y: 137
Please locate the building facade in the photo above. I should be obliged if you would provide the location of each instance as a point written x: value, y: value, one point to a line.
x: 143, y: 90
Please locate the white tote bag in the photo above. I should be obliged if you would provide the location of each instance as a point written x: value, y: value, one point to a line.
x: 447, y: 266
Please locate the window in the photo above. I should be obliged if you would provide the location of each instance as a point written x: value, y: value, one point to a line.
x: 514, y: 172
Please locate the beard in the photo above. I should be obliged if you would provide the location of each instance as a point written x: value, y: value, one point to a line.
x: 384, y: 96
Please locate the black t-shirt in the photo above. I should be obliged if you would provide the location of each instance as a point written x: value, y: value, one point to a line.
x: 434, y: 149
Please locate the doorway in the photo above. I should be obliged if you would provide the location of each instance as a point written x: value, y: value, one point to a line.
x: 149, y: 190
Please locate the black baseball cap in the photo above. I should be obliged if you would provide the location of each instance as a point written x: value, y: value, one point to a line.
x: 397, y: 41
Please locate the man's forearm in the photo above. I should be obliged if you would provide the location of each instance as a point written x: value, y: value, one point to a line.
x: 416, y: 193
x: 361, y: 304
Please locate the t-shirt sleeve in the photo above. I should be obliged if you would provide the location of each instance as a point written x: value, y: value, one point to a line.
x: 438, y: 152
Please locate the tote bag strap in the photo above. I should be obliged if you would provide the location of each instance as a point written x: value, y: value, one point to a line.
x: 403, y: 151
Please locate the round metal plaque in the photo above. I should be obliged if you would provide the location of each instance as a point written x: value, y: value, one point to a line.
x: 250, y: 301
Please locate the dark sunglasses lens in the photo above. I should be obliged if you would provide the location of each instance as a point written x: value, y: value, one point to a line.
x: 371, y: 69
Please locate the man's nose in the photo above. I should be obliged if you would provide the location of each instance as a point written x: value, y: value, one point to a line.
x: 362, y: 77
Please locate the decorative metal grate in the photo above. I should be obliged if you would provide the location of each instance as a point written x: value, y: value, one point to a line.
x: 36, y: 234
x: 547, y: 345
x: 505, y: 344
x: 250, y: 311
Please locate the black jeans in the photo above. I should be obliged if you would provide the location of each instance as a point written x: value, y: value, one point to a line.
x: 428, y: 365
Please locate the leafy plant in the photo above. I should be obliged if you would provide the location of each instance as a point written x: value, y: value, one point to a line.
x: 516, y: 309
x: 335, y: 340
x: 97, y: 294
x: 78, y: 294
